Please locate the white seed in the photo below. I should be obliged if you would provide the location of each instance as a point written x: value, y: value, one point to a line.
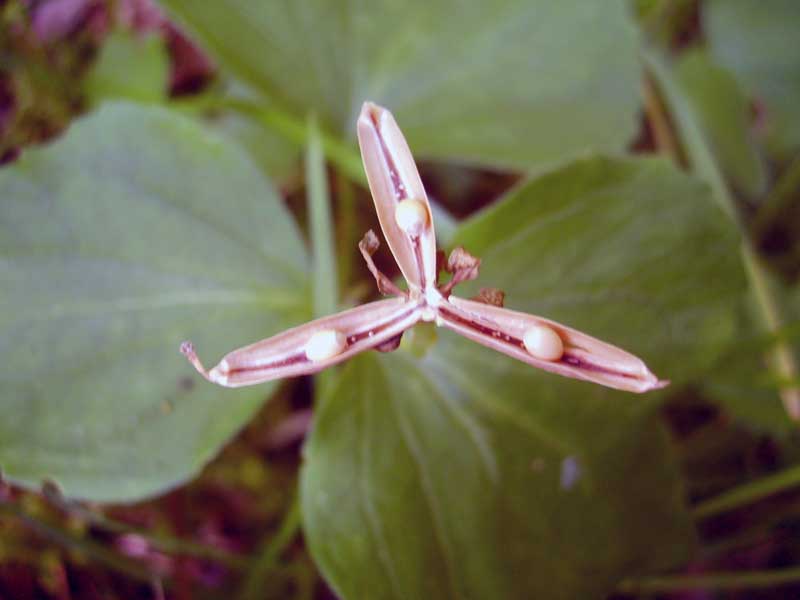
x: 411, y: 215
x: 543, y: 342
x: 325, y: 344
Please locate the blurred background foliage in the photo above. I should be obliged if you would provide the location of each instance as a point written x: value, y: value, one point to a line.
x: 630, y: 168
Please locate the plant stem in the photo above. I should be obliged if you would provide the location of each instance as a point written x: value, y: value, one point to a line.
x: 325, y: 283
x: 782, y: 356
x: 270, y: 552
x: 702, y: 160
x: 659, y: 121
x: 716, y: 581
x: 748, y: 493
x: 168, y: 545
x: 92, y: 549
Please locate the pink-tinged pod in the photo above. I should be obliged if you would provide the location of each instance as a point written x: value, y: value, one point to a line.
x: 407, y: 224
x: 547, y: 345
x: 400, y: 199
x: 313, y: 346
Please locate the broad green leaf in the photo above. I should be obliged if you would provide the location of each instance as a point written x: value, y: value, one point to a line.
x: 130, y: 67
x: 724, y: 114
x: 760, y: 43
x: 507, y: 83
x: 135, y: 231
x: 277, y: 157
x: 458, y: 472
x: 456, y: 477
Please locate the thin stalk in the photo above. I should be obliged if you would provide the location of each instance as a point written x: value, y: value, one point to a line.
x: 659, y: 121
x: 324, y: 282
x: 702, y: 160
x: 168, y: 545
x: 715, y: 581
x: 748, y: 493
x: 782, y: 355
x: 269, y: 553
x: 91, y: 549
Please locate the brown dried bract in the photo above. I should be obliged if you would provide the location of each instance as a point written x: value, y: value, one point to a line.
x: 492, y: 296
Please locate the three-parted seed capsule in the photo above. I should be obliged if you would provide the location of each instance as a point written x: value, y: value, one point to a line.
x: 405, y: 217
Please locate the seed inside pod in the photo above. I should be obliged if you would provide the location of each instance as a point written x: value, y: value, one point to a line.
x: 411, y: 215
x: 543, y: 342
x: 325, y: 344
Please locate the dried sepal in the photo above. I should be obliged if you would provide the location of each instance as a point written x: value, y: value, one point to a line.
x: 400, y: 199
x: 367, y: 246
x: 463, y: 266
x: 491, y: 296
x: 583, y: 357
x: 313, y: 346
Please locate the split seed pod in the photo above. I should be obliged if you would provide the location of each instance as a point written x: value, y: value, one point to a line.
x: 407, y: 223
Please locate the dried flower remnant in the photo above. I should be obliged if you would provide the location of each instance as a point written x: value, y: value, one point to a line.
x: 407, y: 223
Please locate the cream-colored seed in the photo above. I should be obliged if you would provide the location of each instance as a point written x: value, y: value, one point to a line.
x: 325, y: 344
x: 543, y: 342
x: 411, y: 215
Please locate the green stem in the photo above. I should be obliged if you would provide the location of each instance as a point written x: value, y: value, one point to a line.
x: 94, y: 550
x: 325, y: 284
x: 702, y: 161
x: 164, y: 544
x: 270, y: 552
x: 716, y: 581
x: 782, y: 355
x: 748, y: 493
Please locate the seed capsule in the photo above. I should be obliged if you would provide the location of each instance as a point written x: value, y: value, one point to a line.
x: 325, y: 344
x: 411, y: 215
x: 543, y: 342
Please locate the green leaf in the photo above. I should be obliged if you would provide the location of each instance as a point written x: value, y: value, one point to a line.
x: 508, y: 83
x: 279, y: 159
x: 724, y: 114
x: 446, y: 479
x: 760, y: 43
x: 135, y: 231
x: 130, y: 67
x: 463, y: 473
